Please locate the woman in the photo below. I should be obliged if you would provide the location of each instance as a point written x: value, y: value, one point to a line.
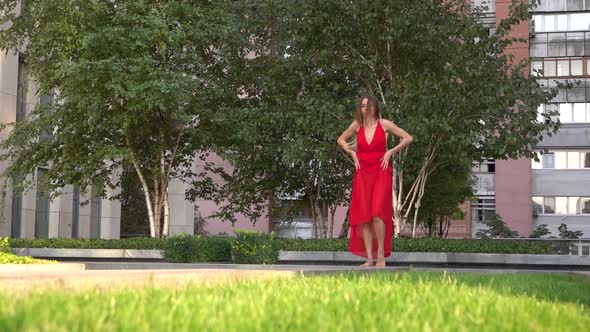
x: 371, y: 202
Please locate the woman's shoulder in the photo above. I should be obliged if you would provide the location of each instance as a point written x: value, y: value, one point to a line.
x: 386, y: 123
x: 355, y: 125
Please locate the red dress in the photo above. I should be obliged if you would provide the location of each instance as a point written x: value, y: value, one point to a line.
x: 371, y: 192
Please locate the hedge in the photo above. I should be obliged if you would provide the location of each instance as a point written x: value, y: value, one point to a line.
x: 435, y: 245
x: 221, y: 246
x: 194, y: 249
x: 130, y: 243
x: 251, y: 247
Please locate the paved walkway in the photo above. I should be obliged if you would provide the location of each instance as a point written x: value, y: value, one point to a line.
x: 107, y: 275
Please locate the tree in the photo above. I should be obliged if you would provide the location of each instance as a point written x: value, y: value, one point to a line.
x: 451, y: 184
x: 497, y: 228
x: 437, y: 72
x: 136, y: 84
x: 540, y: 231
x: 564, y: 233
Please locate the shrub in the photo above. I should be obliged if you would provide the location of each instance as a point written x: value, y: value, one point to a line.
x: 129, y: 243
x: 497, y: 228
x: 192, y: 249
x: 251, y: 247
x: 430, y: 245
x: 564, y: 233
x: 9, y: 258
x: 5, y: 245
x: 539, y: 231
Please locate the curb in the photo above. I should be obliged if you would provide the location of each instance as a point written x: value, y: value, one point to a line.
x: 331, y: 256
x: 61, y: 267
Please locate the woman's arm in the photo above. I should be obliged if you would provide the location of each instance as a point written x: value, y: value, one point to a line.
x: 347, y: 134
x: 406, y: 139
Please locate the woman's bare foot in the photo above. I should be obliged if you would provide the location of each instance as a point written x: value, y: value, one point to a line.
x: 368, y: 263
x: 380, y: 259
x: 380, y: 262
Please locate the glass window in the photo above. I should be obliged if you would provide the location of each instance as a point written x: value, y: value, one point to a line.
x: 540, y: 116
x: 573, y: 201
x: 536, y: 68
x: 556, y: 49
x: 586, y: 159
x: 565, y: 112
x: 560, y: 160
x: 579, y: 21
x: 588, y: 112
x: 561, y: 22
x: 537, y: 205
x: 575, y: 4
x: 554, y: 109
x: 579, y: 112
x: 561, y: 205
x: 573, y: 159
x: 550, y: 68
x: 537, y: 164
x: 582, y: 205
x: 548, y: 160
x: 563, y: 68
x: 577, y: 69
x: 538, y: 50
x: 549, y: 23
x: 587, y: 4
x: 549, y: 205
x: 577, y: 93
x: 575, y: 48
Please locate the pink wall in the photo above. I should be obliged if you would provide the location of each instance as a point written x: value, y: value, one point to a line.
x: 514, y: 194
x: 514, y: 177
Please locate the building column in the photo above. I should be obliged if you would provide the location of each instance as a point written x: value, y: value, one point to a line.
x: 182, y: 211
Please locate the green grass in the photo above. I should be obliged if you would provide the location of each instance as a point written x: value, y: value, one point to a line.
x: 8, y: 258
x: 376, y: 302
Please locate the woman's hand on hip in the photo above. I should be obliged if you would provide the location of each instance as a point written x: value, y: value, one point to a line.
x: 355, y: 160
x: 386, y: 159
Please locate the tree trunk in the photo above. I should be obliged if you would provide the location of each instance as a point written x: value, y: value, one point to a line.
x: 166, y: 229
x: 417, y: 204
x: 345, y: 225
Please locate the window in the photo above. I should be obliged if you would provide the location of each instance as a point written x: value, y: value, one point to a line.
x: 21, y: 94
x: 579, y: 21
x: 540, y: 116
x: 561, y: 205
x: 537, y: 205
x: 582, y: 205
x: 579, y: 112
x: 577, y: 68
x: 573, y: 159
x: 483, y: 209
x: 586, y: 159
x: 548, y: 160
x: 565, y: 112
x: 563, y: 68
x: 549, y: 205
x: 41, y: 207
x: 537, y: 164
x: 537, y: 68
x: 550, y: 68
x: 561, y: 22
x: 560, y: 159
